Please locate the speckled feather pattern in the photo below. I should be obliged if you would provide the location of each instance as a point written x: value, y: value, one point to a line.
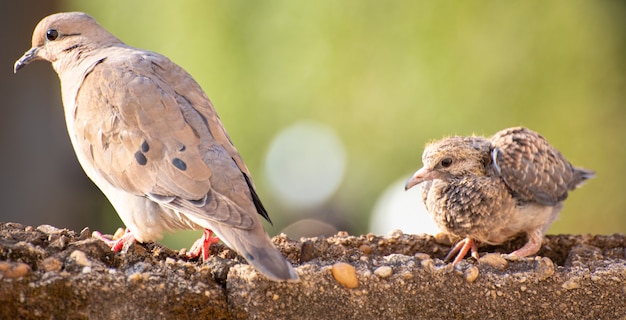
x: 496, y: 188
x: 534, y: 170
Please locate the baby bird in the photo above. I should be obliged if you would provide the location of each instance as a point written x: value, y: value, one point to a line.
x: 491, y: 190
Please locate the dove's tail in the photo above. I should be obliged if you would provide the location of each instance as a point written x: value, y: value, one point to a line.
x: 580, y: 176
x: 257, y: 248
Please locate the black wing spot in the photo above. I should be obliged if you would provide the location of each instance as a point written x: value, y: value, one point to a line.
x: 145, y: 147
x: 140, y: 158
x: 180, y: 164
x: 255, y: 199
x: 182, y: 148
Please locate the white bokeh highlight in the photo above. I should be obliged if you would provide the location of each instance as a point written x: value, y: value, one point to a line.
x: 305, y: 164
x: 404, y: 210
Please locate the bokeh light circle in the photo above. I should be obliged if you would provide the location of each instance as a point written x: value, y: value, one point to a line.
x: 305, y: 164
x: 404, y: 210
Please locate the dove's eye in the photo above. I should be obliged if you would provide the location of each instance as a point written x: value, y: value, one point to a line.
x: 446, y: 162
x: 52, y: 34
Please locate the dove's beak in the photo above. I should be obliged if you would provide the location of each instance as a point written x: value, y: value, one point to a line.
x: 418, y: 177
x: 28, y: 57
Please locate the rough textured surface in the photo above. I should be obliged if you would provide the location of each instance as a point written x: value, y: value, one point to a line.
x: 61, y: 274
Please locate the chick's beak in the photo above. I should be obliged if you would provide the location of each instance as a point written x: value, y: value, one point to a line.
x: 418, y: 177
x: 28, y: 57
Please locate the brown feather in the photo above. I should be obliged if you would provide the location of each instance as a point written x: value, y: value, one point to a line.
x: 144, y: 131
x: 491, y: 190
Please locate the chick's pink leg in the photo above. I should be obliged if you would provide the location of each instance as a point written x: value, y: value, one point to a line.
x: 202, y: 245
x: 116, y: 245
x: 462, y: 247
x: 531, y: 247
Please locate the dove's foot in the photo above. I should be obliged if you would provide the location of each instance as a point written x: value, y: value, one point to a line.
x: 462, y: 247
x: 531, y: 247
x: 202, y: 245
x: 115, y: 244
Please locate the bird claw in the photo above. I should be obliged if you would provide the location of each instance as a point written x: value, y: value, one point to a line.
x: 202, y: 245
x: 462, y: 247
x: 115, y: 244
x: 511, y: 256
x: 531, y: 247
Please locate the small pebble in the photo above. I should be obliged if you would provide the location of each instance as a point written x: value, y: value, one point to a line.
x: 544, y: 268
x: 13, y: 270
x: 422, y: 256
x: 345, y: 274
x: 494, y: 260
x: 51, y: 264
x: 570, y: 284
x: 428, y: 264
x: 80, y: 258
x: 396, y: 258
x: 343, y: 234
x: 471, y: 274
x: 396, y: 233
x: 383, y: 272
x: 58, y: 241
x: 138, y: 276
x: 443, y: 238
x: 48, y: 229
x: 366, y: 249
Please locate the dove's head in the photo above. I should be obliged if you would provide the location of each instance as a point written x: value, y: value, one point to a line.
x: 64, y: 36
x: 452, y: 158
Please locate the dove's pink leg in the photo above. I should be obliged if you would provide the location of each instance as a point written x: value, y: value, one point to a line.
x: 462, y: 247
x: 116, y: 245
x: 202, y: 245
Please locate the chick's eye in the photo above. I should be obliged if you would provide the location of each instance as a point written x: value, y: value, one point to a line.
x: 446, y: 162
x: 52, y: 34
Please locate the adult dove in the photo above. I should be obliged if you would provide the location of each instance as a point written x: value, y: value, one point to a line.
x: 148, y: 136
x: 491, y: 190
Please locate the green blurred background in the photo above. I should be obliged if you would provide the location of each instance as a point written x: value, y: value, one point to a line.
x: 385, y: 77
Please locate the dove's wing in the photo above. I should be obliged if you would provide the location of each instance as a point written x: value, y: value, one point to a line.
x: 151, y: 131
x: 533, y: 170
x: 142, y: 127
